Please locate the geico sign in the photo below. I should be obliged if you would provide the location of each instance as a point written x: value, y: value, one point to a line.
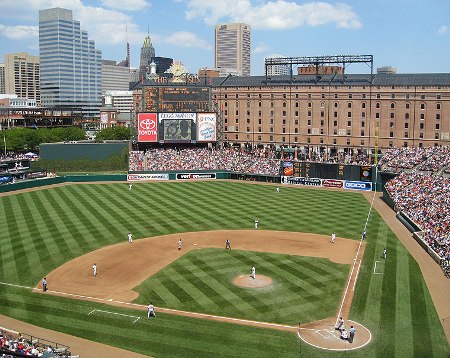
x: 357, y: 185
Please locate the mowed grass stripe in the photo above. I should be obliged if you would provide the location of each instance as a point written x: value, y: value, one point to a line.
x: 21, y: 264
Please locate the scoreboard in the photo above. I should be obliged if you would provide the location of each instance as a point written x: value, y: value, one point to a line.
x: 177, y: 99
x: 327, y: 171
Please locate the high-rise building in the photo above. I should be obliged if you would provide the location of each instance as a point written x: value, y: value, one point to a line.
x: 2, y: 78
x: 114, y: 77
x: 71, y: 66
x: 277, y: 70
x: 147, y: 53
x: 22, y: 75
x: 232, y: 49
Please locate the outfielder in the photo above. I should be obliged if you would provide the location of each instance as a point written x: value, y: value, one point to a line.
x: 151, y: 311
x: 130, y: 186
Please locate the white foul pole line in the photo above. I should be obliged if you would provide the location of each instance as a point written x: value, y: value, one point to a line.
x: 354, y: 263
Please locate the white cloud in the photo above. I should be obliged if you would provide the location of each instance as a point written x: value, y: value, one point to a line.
x: 186, y: 39
x: 278, y: 14
x: 261, y: 47
x: 127, y: 5
x: 442, y: 30
x: 19, y: 32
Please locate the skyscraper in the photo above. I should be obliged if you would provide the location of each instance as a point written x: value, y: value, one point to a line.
x: 232, y: 49
x: 2, y: 78
x: 277, y: 70
x: 147, y: 53
x: 22, y: 75
x: 71, y: 66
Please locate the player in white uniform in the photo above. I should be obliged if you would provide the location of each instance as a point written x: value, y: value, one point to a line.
x: 94, y: 269
x: 278, y: 190
x: 253, y: 272
x: 130, y: 237
x: 180, y: 243
x: 227, y: 244
x: 333, y: 238
x: 130, y: 186
x: 256, y: 224
x: 151, y: 311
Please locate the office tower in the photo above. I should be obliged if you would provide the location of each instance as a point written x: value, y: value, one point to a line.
x: 2, y: 78
x: 114, y: 77
x: 277, y: 70
x: 71, y: 66
x: 147, y: 53
x: 22, y: 76
x: 232, y: 49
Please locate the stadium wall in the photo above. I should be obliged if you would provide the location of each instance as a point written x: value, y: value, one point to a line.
x: 77, y: 151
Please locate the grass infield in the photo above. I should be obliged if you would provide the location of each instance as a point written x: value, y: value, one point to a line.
x: 303, y: 288
x: 43, y: 229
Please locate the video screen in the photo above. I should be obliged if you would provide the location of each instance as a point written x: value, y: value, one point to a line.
x: 177, y: 129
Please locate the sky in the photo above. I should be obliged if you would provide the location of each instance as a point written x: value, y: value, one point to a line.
x: 411, y: 35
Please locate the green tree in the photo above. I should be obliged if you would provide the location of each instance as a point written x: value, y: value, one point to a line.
x: 113, y: 133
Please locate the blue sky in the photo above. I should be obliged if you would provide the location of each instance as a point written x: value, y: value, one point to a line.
x: 411, y: 35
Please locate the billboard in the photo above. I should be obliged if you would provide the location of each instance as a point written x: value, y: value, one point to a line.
x: 147, y: 127
x: 288, y: 169
x: 139, y: 177
x: 206, y: 127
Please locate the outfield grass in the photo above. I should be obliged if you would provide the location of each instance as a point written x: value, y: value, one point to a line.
x: 45, y: 228
x: 303, y: 288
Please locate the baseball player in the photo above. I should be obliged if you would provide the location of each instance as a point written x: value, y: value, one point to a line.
x: 364, y: 234
x: 333, y: 238
x: 253, y: 272
x: 94, y: 269
x: 130, y: 237
x: 278, y: 190
x: 256, y: 224
x: 227, y: 244
x: 384, y: 253
x: 151, y: 311
x: 130, y: 186
x: 179, y: 244
x: 44, y: 284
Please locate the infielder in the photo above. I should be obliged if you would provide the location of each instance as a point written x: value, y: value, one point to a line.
x: 130, y: 237
x: 94, y: 269
x: 256, y: 224
x: 364, y: 234
x: 44, y: 284
x: 253, y: 272
x: 227, y: 244
x: 333, y: 238
x: 151, y: 311
x: 179, y: 244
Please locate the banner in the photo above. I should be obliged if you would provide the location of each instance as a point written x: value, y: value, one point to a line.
x: 301, y: 181
x: 190, y: 176
x: 357, y: 185
x: 38, y: 174
x: 332, y: 183
x: 147, y: 127
x: 288, y: 169
x: 206, y: 127
x: 138, y: 177
x: 5, y: 179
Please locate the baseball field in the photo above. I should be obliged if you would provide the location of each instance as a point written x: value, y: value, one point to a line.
x: 202, y: 309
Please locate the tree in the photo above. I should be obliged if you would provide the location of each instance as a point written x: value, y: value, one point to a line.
x: 113, y: 133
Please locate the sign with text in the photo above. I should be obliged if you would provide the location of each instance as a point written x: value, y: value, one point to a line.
x: 139, y: 177
x: 191, y: 176
x: 147, y: 127
x: 206, y: 127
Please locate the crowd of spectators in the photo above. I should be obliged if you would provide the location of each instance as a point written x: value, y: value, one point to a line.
x: 257, y: 161
x: 430, y: 159
x: 425, y: 198
x: 17, y: 345
x: 12, y: 157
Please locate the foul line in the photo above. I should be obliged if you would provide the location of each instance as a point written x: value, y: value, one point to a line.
x: 354, y: 262
x: 119, y: 314
x: 161, y: 309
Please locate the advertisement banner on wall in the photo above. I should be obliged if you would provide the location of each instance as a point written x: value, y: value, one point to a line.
x: 288, y: 169
x: 147, y: 127
x: 332, y: 183
x: 301, y: 181
x: 139, y: 177
x: 206, y: 127
x: 191, y: 176
x: 357, y: 185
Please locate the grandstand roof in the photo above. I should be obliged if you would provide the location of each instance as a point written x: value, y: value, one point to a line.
x: 406, y: 79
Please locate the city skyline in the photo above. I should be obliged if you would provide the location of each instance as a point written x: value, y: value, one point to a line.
x: 414, y: 39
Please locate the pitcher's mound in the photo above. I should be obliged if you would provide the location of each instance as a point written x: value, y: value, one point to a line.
x: 248, y: 282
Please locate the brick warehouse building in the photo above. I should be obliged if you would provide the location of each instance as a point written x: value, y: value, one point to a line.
x: 332, y: 111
